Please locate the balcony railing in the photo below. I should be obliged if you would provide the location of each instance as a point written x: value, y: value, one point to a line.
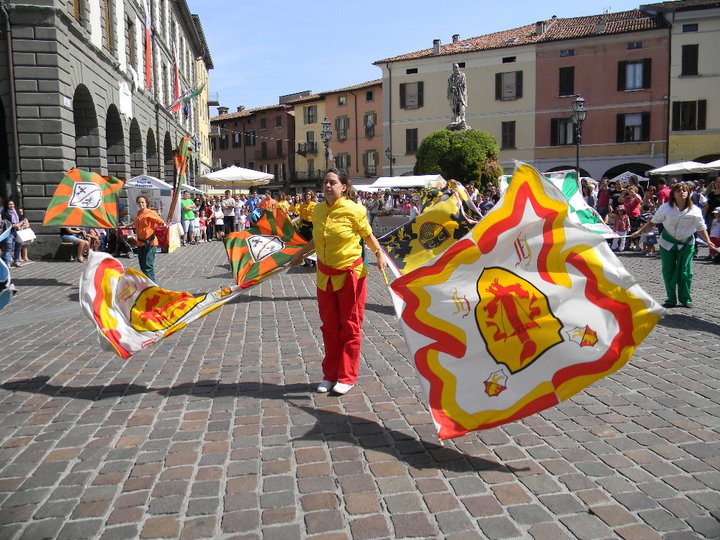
x: 268, y: 154
x: 214, y: 131
x: 370, y: 170
x: 308, y: 175
x: 307, y: 148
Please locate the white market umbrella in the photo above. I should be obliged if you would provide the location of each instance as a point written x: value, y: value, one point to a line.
x: 236, y: 177
x: 625, y: 177
x: 681, y: 167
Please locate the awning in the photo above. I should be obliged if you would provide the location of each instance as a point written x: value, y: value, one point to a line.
x: 681, y: 167
x: 404, y: 182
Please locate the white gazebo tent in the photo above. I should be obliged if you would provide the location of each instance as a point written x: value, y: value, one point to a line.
x: 236, y: 177
x: 681, y: 167
x: 191, y: 189
x: 713, y: 165
x: 159, y: 193
x: 407, y: 182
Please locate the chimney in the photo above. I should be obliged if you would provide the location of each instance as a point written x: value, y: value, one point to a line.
x: 539, y: 28
x: 436, y: 46
x: 241, y: 108
x: 600, y: 26
x: 456, y: 38
x: 223, y: 110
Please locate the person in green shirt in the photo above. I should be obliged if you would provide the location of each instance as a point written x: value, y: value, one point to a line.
x: 188, y: 216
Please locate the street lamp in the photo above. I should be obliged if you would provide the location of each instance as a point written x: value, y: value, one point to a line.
x: 326, y: 137
x: 579, y: 113
x: 391, y: 159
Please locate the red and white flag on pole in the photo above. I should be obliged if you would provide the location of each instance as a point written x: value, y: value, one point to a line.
x: 148, y: 45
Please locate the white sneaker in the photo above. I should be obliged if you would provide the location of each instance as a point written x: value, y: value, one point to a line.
x: 342, y: 388
x: 324, y: 387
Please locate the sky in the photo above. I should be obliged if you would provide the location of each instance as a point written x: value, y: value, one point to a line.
x: 262, y: 49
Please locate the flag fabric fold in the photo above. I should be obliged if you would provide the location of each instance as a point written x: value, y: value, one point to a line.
x: 131, y: 312
x: 180, y: 161
x: 525, y: 311
x: 579, y: 211
x: 262, y: 249
x: 84, y: 199
x: 448, y: 214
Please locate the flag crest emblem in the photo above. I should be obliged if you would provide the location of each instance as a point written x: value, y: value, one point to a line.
x: 261, y: 247
x: 495, y: 383
x: 514, y: 319
x: 85, y: 195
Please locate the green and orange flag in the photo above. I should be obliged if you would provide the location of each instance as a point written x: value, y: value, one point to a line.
x: 181, y: 156
x: 85, y: 199
x: 263, y: 249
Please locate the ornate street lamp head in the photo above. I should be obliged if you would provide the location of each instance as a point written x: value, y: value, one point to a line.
x: 326, y: 133
x: 579, y: 110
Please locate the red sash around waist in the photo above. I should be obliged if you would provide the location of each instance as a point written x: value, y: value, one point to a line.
x: 330, y: 271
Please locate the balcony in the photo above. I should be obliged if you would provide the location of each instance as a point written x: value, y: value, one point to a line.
x: 371, y: 170
x: 308, y: 175
x: 307, y: 148
x: 214, y: 131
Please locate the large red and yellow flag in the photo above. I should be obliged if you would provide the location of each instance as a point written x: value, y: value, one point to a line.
x: 263, y: 249
x: 525, y: 311
x: 131, y: 312
x: 84, y: 199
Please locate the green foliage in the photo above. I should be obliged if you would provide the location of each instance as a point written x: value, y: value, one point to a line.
x: 467, y: 156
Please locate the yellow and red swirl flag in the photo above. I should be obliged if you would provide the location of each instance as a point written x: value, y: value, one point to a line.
x: 84, y: 199
x: 525, y: 311
x: 263, y: 249
x: 131, y: 312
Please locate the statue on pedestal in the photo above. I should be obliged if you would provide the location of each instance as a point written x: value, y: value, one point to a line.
x: 457, y: 96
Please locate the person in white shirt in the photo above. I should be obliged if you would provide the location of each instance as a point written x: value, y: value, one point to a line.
x: 681, y: 219
x: 228, y: 208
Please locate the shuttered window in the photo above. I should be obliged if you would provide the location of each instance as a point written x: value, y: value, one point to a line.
x: 411, y: 95
x: 634, y: 75
x: 508, y: 86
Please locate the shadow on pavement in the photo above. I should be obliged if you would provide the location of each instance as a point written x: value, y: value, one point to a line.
x: 329, y: 426
x: 678, y: 320
x: 40, y: 282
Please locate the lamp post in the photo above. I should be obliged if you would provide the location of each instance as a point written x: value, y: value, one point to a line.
x: 326, y: 137
x: 391, y: 159
x: 579, y: 113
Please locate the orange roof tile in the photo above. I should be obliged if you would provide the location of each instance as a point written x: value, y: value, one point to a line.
x: 555, y: 29
x: 248, y: 112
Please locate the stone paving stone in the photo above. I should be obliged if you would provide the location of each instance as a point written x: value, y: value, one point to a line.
x: 412, y: 525
x: 372, y: 526
x: 547, y: 531
x: 586, y: 527
x: 498, y: 527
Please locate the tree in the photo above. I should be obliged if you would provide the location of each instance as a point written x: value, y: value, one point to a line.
x: 467, y: 156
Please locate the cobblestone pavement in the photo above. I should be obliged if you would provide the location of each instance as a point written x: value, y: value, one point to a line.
x: 216, y: 433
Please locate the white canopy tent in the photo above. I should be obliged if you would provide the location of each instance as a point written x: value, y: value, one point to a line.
x: 236, y: 177
x: 405, y: 182
x: 681, y: 167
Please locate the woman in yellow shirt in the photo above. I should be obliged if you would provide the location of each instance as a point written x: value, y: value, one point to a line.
x: 338, y: 225
x: 305, y: 211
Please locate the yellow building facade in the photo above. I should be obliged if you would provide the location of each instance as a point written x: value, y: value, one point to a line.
x: 203, y: 64
x: 416, y: 104
x: 309, y: 150
x: 694, y: 101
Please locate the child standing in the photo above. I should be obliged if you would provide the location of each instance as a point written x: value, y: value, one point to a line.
x: 243, y: 219
x: 715, y: 234
x: 621, y: 228
x: 649, y: 238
